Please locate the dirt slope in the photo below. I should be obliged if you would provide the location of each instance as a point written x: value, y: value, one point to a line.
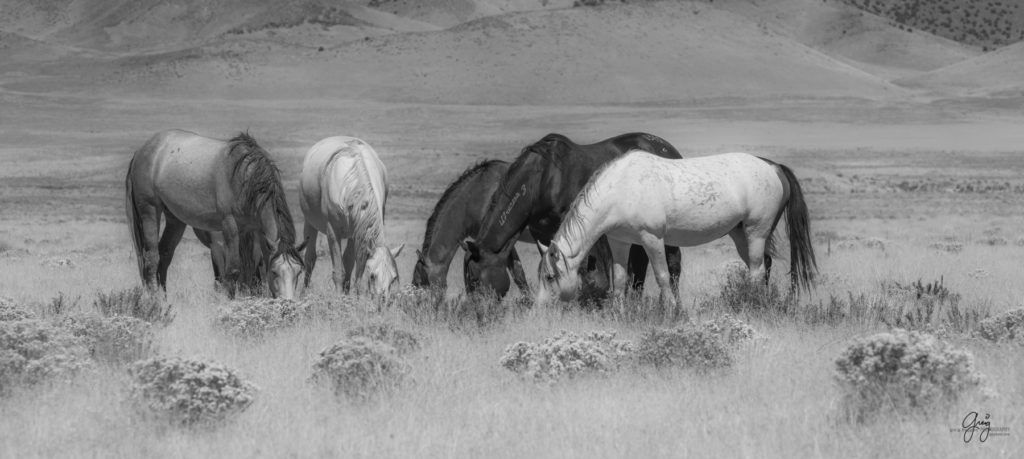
x: 658, y: 53
x: 999, y: 73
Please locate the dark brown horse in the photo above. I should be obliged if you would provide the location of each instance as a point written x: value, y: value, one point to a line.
x: 538, y: 189
x: 457, y: 216
x: 214, y: 185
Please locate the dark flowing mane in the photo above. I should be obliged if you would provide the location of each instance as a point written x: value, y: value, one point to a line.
x: 259, y: 185
x: 467, y: 174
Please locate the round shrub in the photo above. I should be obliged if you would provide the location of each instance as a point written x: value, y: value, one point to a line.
x: 11, y: 311
x: 1007, y: 327
x: 360, y: 368
x: 403, y: 341
x: 255, y: 317
x: 731, y: 330
x: 567, y: 355
x: 32, y: 352
x: 117, y: 339
x: 186, y: 391
x: 700, y: 349
x: 902, y: 370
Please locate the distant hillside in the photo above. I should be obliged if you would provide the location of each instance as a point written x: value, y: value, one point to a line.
x: 985, y: 23
x: 996, y: 74
x: 665, y: 52
x: 862, y: 39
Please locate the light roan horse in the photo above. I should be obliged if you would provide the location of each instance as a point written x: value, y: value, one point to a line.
x: 228, y: 186
x: 644, y: 199
x: 344, y: 191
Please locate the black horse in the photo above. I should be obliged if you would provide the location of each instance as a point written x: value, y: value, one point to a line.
x: 536, y: 192
x: 457, y: 216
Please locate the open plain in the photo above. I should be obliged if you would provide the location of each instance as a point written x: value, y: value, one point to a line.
x: 908, y: 145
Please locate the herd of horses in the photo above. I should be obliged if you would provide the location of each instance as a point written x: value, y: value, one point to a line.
x: 598, y: 213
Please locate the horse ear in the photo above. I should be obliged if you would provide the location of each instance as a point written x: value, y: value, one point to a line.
x: 541, y: 247
x: 470, y: 247
x: 299, y: 247
x: 395, y: 252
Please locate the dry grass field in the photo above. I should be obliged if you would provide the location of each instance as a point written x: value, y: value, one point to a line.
x: 904, y: 183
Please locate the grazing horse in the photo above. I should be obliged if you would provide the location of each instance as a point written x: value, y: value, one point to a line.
x: 457, y: 216
x: 232, y: 187
x: 643, y: 199
x: 344, y: 189
x: 536, y: 192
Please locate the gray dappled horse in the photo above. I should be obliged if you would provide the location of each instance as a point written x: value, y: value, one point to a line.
x: 231, y: 187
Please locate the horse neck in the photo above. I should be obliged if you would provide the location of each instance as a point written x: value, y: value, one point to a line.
x: 515, y: 201
x: 582, y: 226
x: 451, y: 224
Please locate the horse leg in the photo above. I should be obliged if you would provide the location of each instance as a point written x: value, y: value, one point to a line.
x: 309, y: 236
x: 674, y: 259
x: 337, y: 268
x: 756, y: 263
x: 637, y: 268
x: 620, y: 258
x: 351, y: 266
x: 655, y: 247
x: 739, y: 238
x: 515, y: 266
x: 150, y: 220
x: 173, y: 231
x: 232, y: 261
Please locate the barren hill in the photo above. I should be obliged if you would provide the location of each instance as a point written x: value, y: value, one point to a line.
x: 984, y: 23
x: 862, y: 39
x: 999, y: 73
x: 677, y: 51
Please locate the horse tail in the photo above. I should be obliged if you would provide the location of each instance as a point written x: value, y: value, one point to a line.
x: 803, y: 266
x: 134, y: 223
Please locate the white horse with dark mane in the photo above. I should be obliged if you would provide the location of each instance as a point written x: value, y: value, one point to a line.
x: 644, y: 199
x: 344, y: 188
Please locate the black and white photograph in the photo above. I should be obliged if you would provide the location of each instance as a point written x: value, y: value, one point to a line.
x: 511, y: 229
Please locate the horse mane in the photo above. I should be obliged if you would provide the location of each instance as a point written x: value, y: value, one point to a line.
x: 368, y: 228
x: 470, y: 172
x: 573, y: 222
x: 260, y: 185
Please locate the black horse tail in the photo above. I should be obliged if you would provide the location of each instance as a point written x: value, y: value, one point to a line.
x: 134, y: 223
x: 803, y: 266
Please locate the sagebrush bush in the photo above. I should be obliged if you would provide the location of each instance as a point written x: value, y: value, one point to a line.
x: 731, y: 330
x: 902, y: 370
x: 254, y: 317
x: 32, y: 352
x: 11, y: 311
x: 403, y: 341
x: 187, y: 392
x: 136, y: 302
x: 360, y: 368
x: 685, y: 347
x: 741, y: 294
x: 567, y: 356
x: 1007, y: 327
x: 117, y: 339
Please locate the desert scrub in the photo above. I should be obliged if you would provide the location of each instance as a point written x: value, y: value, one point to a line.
x: 403, y: 341
x: 567, y: 356
x: 255, y: 317
x: 187, y: 392
x: 360, y: 368
x: 12, y: 311
x: 741, y: 294
x: 902, y: 370
x: 117, y: 339
x: 731, y: 330
x: 134, y: 302
x: 1006, y: 327
x: 32, y: 352
x: 700, y: 349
